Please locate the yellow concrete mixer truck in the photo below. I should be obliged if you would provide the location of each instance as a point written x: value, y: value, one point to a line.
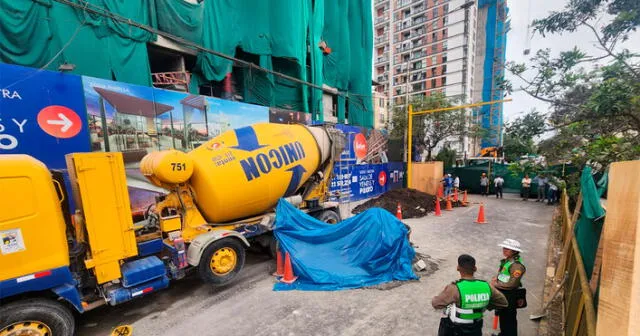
x: 219, y: 200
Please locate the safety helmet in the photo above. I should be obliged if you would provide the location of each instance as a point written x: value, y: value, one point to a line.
x: 511, y: 244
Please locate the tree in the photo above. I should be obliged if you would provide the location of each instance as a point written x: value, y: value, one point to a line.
x: 447, y: 156
x: 595, y: 99
x: 519, y: 135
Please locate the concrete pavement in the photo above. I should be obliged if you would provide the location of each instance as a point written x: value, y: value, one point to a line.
x: 250, y: 307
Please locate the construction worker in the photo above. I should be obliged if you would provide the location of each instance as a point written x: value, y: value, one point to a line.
x: 508, y: 281
x: 464, y: 301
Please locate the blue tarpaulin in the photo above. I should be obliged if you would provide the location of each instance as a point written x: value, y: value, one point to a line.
x: 368, y: 249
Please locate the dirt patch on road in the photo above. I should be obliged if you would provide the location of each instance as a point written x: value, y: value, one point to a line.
x: 414, y: 203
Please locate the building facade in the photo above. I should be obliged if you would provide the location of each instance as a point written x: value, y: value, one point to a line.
x: 381, y: 108
x: 427, y: 46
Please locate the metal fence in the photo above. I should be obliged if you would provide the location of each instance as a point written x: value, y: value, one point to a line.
x: 579, y: 315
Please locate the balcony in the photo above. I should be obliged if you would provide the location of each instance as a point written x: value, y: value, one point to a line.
x: 382, y: 19
x: 382, y: 59
x: 381, y: 39
x: 418, y: 55
x: 383, y: 78
x: 380, y: 1
x: 403, y: 3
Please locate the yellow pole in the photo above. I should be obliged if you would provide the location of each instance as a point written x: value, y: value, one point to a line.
x: 409, y: 145
x: 410, y: 115
x: 441, y: 109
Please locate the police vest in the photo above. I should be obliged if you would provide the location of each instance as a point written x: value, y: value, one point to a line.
x: 505, y: 269
x: 474, y: 299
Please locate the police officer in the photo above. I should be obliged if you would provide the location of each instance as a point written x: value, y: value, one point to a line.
x: 508, y: 280
x: 465, y: 301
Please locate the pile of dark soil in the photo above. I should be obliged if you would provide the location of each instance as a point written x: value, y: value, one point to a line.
x: 414, y: 203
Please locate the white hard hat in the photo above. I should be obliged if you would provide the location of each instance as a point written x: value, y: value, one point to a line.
x: 511, y: 244
x: 449, y: 175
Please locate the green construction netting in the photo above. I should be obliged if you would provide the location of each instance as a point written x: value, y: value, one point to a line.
x: 470, y: 176
x: 282, y: 30
x: 33, y: 32
x: 285, y: 35
x: 26, y: 36
x: 180, y: 18
x: 589, y: 225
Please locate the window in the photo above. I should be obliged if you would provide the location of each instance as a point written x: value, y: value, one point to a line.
x: 434, y: 59
x: 444, y: 80
x: 444, y: 45
x: 445, y: 8
x: 434, y: 37
x: 435, y: 12
x: 444, y: 33
x: 444, y: 58
x: 434, y: 48
x: 444, y: 69
x: 435, y: 25
x: 445, y: 20
x: 433, y: 82
x: 381, y: 102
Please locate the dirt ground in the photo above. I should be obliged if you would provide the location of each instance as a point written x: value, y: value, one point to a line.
x: 414, y: 203
x: 249, y: 306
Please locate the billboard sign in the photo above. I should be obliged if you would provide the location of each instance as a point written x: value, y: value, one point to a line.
x: 42, y: 114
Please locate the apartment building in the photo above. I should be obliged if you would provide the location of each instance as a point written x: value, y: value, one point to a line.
x: 380, y: 109
x: 427, y: 46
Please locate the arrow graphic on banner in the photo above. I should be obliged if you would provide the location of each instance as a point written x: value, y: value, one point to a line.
x: 64, y: 121
x: 247, y: 139
x: 296, y: 177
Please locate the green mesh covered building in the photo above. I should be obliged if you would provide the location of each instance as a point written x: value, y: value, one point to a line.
x: 326, y: 43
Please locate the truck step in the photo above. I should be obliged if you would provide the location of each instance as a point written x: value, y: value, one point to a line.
x: 141, y: 271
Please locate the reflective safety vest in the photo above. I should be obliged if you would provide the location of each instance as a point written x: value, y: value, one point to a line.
x: 474, y: 299
x: 505, y: 269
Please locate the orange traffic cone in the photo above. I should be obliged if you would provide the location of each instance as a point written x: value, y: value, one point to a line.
x: 464, y: 198
x: 438, y: 212
x: 455, y: 195
x: 449, y: 206
x: 481, y: 219
x: 440, y: 192
x: 399, y: 212
x: 288, y: 278
x: 279, y: 264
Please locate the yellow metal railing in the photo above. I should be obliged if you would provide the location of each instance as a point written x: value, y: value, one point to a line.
x: 579, y: 315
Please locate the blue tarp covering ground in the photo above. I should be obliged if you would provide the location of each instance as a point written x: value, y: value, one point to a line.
x: 368, y: 249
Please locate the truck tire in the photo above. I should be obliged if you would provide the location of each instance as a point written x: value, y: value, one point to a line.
x: 329, y: 217
x: 36, y: 317
x: 221, y: 261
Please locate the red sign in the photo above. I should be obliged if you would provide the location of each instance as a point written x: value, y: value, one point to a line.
x: 360, y: 146
x: 59, y: 121
x: 382, y: 178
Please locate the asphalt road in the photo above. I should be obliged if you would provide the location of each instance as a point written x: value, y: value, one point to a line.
x: 249, y: 306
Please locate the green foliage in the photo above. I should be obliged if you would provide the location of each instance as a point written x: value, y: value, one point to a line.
x: 519, y: 135
x: 595, y: 99
x: 447, y: 156
x: 525, y: 167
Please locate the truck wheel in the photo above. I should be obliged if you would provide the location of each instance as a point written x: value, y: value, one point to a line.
x: 329, y: 217
x: 221, y: 261
x: 40, y: 317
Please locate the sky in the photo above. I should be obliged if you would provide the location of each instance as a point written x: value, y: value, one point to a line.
x: 521, y: 12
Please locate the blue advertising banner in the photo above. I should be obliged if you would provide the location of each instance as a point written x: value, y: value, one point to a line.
x: 396, y: 175
x: 360, y: 182
x: 42, y: 114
